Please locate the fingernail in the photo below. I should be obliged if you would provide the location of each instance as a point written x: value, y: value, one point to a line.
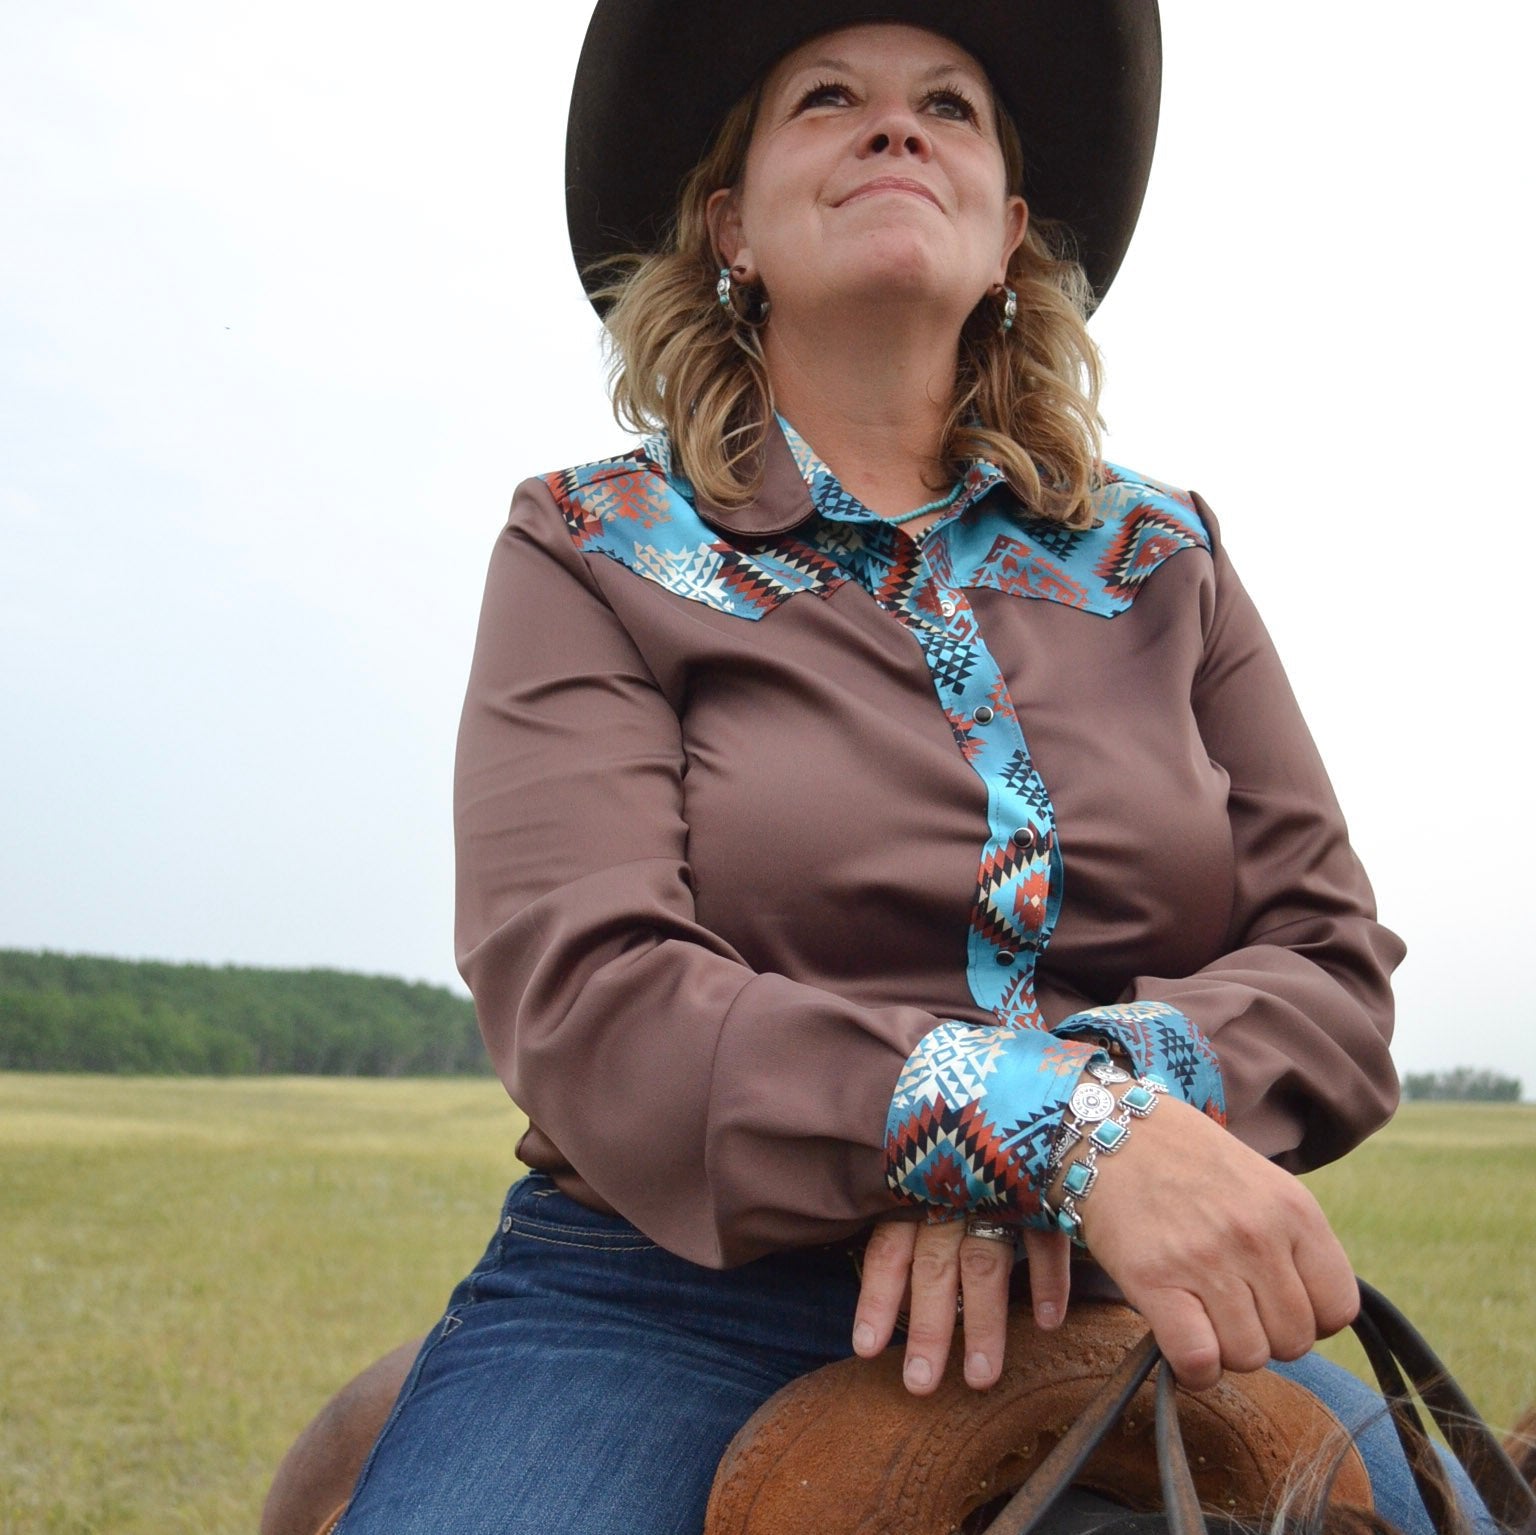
x: 918, y: 1372
x: 863, y: 1338
x: 1047, y: 1314
x: 978, y: 1369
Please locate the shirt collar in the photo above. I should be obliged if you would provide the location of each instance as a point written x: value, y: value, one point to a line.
x: 783, y: 503
x: 796, y: 483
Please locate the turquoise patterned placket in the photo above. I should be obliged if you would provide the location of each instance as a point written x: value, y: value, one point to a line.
x: 977, y: 1109
x: 1018, y: 887
x: 946, y: 1146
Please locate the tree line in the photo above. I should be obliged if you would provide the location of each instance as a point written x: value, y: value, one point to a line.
x: 1464, y: 1084
x: 75, y: 1012
x: 68, y: 1012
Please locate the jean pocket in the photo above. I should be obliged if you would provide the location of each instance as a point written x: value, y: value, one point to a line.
x: 538, y: 1211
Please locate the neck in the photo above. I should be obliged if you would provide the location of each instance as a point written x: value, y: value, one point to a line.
x: 871, y: 398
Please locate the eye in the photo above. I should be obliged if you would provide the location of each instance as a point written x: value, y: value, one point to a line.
x: 950, y: 103
x: 825, y: 93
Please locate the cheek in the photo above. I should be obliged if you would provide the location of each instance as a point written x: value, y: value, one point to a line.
x: 776, y: 226
x: 993, y: 226
x: 780, y: 188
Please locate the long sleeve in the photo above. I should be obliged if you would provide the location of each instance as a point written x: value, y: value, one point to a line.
x: 724, y: 1112
x: 1299, y: 1007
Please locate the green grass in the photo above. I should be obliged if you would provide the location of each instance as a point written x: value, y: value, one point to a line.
x: 1439, y: 1212
x: 189, y: 1267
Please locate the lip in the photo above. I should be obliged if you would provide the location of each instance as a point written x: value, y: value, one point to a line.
x: 891, y: 184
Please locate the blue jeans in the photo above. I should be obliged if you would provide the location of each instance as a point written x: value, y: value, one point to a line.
x: 1364, y: 1414
x: 584, y: 1380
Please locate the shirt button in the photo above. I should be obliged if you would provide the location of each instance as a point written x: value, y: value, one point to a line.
x: 1005, y: 957
x: 947, y: 608
x: 983, y: 715
x: 1025, y: 838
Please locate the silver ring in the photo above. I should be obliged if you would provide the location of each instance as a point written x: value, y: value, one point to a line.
x: 990, y: 1231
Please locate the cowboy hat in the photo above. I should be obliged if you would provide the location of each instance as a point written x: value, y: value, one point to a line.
x: 1080, y: 78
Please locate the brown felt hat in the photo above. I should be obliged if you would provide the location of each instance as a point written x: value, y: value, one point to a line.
x: 1080, y: 78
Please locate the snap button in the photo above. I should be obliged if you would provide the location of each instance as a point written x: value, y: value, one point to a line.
x: 947, y: 608
x: 1005, y: 957
x: 1025, y: 838
x: 983, y: 715
x: 506, y: 1224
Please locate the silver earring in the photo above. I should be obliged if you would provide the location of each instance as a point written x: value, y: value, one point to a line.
x: 754, y: 313
x: 1010, y: 308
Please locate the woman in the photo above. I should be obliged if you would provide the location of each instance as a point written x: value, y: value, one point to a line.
x: 884, y: 832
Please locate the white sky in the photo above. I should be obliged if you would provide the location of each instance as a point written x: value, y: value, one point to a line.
x: 286, y: 310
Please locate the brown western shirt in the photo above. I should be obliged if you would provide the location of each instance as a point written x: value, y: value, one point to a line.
x: 718, y: 835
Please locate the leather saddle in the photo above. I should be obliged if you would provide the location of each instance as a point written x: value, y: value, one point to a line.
x: 846, y: 1450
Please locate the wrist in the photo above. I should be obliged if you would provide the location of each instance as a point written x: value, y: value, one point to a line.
x: 1102, y: 1110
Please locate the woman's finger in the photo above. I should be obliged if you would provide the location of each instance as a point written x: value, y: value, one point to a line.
x: 1234, y: 1317
x: 1326, y: 1273
x: 986, y: 1265
x: 1285, y: 1313
x: 886, y: 1268
x: 1049, y: 1255
x: 935, y: 1289
x: 1185, y: 1335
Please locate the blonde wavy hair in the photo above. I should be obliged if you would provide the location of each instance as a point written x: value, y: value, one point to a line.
x: 1025, y: 399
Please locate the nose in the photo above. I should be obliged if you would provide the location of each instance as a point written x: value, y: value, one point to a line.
x: 897, y: 131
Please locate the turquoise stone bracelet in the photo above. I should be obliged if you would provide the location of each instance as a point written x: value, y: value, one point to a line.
x: 1092, y: 1103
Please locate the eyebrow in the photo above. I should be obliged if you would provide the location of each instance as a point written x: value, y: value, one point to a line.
x: 842, y: 66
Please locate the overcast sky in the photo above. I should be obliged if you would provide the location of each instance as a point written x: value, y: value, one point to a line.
x: 286, y: 311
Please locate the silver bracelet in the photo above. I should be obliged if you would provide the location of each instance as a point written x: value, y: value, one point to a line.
x: 1092, y: 1103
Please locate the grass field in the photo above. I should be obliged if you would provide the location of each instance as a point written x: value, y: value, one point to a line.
x: 189, y: 1267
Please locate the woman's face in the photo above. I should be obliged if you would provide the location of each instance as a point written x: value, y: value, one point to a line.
x: 874, y: 170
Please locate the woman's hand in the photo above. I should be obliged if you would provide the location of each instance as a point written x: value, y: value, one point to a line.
x: 1229, y: 1259
x: 929, y: 1268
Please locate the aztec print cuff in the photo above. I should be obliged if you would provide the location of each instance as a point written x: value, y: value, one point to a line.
x: 978, y: 1108
x: 976, y: 1113
x: 1161, y: 1042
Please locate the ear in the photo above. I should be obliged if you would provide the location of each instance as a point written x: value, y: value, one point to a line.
x: 1015, y: 222
x: 722, y: 213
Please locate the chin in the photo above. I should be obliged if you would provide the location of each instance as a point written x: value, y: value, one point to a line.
x: 905, y: 272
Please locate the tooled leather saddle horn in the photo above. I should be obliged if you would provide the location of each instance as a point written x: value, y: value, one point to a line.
x: 847, y: 1450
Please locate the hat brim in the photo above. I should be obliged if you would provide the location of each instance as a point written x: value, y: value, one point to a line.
x: 1080, y: 78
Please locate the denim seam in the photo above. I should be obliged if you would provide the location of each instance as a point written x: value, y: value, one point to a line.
x: 407, y: 1390
x: 575, y: 1230
x: 565, y: 1236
